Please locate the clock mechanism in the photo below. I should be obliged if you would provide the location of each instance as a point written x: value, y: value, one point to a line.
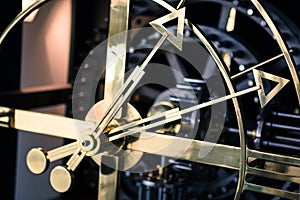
x: 169, y: 100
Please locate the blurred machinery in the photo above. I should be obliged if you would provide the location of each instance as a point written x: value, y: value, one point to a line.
x: 210, y: 111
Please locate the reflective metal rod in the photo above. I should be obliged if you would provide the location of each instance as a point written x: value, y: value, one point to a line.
x: 124, y: 92
x: 256, y: 66
x: 173, y: 116
x: 52, y: 125
x: 188, y: 149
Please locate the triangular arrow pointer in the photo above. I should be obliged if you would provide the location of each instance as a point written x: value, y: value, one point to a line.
x: 158, y: 25
x: 263, y: 97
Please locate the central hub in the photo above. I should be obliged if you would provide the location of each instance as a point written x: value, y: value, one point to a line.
x: 102, y: 145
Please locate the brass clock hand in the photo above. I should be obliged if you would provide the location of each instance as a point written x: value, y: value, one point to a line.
x: 143, y: 121
x: 172, y: 115
x: 232, y: 153
x: 138, y: 72
x: 125, y: 91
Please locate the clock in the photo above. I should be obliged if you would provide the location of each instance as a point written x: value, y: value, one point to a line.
x: 183, y: 100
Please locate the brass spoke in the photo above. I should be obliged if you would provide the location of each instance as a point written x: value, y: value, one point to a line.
x: 291, y: 173
x: 222, y: 156
x: 21, y: 16
x: 27, y: 121
x: 187, y: 149
x: 116, y: 48
x: 271, y: 191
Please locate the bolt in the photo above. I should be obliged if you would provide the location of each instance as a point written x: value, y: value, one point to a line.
x: 250, y: 11
x: 86, y: 66
x: 242, y: 67
x: 86, y: 143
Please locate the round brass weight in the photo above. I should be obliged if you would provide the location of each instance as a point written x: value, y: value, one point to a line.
x: 61, y: 179
x: 37, y: 161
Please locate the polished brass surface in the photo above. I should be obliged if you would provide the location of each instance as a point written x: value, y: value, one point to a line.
x: 282, y: 46
x: 231, y: 20
x: 37, y: 161
x: 289, y: 175
x: 222, y: 68
x: 174, y: 114
x: 6, y: 117
x: 22, y: 15
x: 263, y: 97
x: 162, y: 107
x: 188, y: 149
x: 61, y: 152
x: 256, y: 66
x: 222, y: 156
x: 75, y: 159
x: 106, y: 112
x: 64, y: 127
x: 61, y: 179
x: 158, y: 25
x: 108, y: 181
x: 94, y: 115
x: 116, y: 48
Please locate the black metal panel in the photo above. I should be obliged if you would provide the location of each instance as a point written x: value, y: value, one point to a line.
x: 36, y: 97
x: 10, y: 56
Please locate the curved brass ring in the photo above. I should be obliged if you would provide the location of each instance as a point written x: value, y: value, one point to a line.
x: 22, y: 15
